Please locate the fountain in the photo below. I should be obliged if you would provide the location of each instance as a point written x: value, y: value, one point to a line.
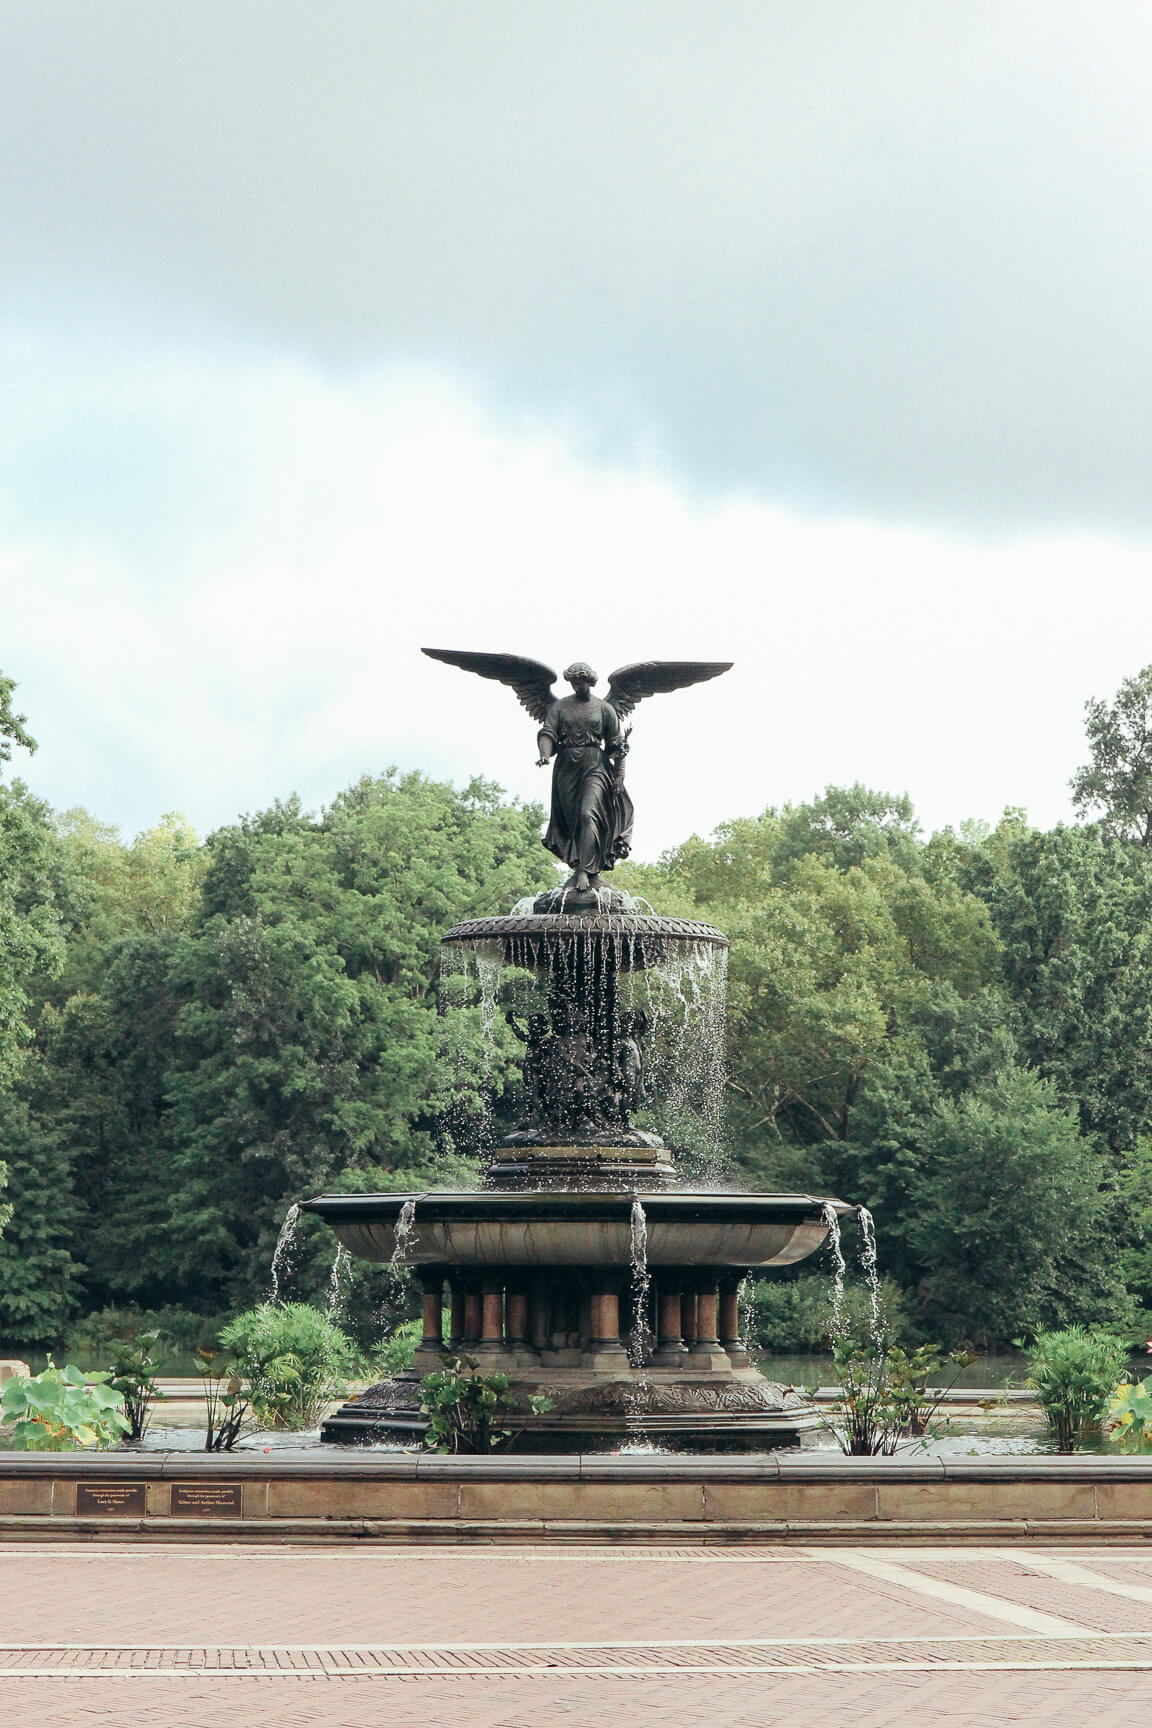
x: 582, y: 1268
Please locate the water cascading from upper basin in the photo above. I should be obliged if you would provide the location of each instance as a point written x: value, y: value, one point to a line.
x: 619, y: 1022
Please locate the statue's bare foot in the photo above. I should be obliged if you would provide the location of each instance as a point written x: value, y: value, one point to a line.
x: 580, y: 880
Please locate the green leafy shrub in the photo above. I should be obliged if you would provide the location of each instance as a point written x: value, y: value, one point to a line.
x: 294, y: 1360
x: 1074, y: 1373
x: 180, y: 1328
x: 61, y: 1410
x: 910, y: 1372
x: 464, y: 1407
x: 885, y: 1397
x: 790, y: 1315
x: 1130, y: 1410
x: 399, y: 1347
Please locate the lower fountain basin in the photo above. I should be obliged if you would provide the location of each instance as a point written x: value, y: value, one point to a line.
x: 547, y: 1229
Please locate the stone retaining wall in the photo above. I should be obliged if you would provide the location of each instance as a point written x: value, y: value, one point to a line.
x: 427, y: 1498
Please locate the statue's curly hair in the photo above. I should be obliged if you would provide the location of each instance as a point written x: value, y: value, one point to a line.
x: 579, y: 669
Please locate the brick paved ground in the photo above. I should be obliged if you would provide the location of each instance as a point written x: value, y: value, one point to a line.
x: 186, y: 1637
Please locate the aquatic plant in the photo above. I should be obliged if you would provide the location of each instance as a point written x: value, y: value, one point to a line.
x: 293, y: 1360
x: 1130, y: 1410
x: 133, y: 1375
x: 1074, y: 1373
x: 61, y: 1410
x: 885, y: 1396
x: 465, y: 1407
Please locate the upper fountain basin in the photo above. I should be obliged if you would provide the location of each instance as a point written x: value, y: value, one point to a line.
x: 577, y: 1229
x: 637, y: 939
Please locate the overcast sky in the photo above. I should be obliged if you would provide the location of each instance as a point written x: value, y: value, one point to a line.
x: 811, y: 336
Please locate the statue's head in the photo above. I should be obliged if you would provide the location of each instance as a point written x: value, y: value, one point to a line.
x: 580, y: 675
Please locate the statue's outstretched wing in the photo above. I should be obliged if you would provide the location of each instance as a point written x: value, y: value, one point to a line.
x: 531, y: 680
x: 630, y: 684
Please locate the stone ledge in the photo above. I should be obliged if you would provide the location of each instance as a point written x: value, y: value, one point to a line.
x: 425, y: 1497
x: 358, y: 1462
x: 428, y: 1532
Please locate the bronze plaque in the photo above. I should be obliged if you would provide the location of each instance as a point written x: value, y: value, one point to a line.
x: 206, y: 1500
x: 110, y: 1499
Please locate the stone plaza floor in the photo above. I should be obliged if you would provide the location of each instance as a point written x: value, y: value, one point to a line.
x: 183, y: 1636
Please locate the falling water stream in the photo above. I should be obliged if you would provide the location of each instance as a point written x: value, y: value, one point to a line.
x: 871, y: 1276
x: 837, y: 1326
x: 747, y: 1301
x: 680, y: 988
x: 403, y: 1238
x: 489, y: 958
x: 686, y: 992
x: 280, y: 1260
x: 640, y: 1338
x: 341, y: 1266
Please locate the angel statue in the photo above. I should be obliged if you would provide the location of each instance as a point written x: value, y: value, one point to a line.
x: 591, y: 819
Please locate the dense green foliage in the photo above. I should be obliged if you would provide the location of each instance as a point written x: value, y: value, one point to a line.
x: 1074, y: 1374
x: 888, y: 1396
x: 292, y: 1359
x: 465, y: 1408
x: 955, y: 1030
x: 221, y: 1029
x: 398, y: 1348
x: 1130, y: 1410
x: 61, y: 1410
x: 789, y: 1311
x: 1118, y: 779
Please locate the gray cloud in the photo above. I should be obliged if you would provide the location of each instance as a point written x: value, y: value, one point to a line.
x: 888, y: 257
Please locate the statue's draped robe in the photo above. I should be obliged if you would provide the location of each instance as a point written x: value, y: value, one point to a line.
x: 591, y: 824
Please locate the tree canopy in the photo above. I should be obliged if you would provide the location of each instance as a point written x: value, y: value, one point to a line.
x: 1118, y: 779
x: 953, y: 1029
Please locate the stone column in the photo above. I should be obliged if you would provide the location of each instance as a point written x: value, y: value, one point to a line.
x: 518, y: 1335
x: 540, y: 1310
x: 688, y: 1317
x: 734, y: 1345
x: 704, y: 1351
x: 707, y: 1302
x: 565, y: 1304
x: 602, y: 1346
x: 456, y: 1319
x: 473, y: 1320
x: 433, y: 1339
x: 670, y: 1346
x: 492, y: 1318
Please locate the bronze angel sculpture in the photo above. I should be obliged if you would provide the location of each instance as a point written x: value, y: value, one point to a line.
x: 591, y: 817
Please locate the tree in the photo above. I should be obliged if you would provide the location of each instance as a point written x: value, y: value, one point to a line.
x: 101, y: 1081
x: 1007, y: 1216
x: 1135, y: 1220
x: 308, y: 1045
x: 30, y: 930
x: 106, y: 891
x: 838, y: 941
x: 13, y: 727
x: 887, y: 1001
x: 1073, y: 911
x: 94, y: 1097
x: 38, y: 1276
x: 1118, y: 779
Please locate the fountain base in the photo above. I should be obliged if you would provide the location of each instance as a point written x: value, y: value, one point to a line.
x: 601, y: 1408
x: 619, y: 1306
